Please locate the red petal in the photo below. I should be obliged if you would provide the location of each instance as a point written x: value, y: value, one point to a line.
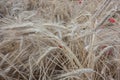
x: 112, y: 20
x: 80, y: 1
x: 60, y: 46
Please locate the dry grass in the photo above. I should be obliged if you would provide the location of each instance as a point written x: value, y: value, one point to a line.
x: 59, y: 40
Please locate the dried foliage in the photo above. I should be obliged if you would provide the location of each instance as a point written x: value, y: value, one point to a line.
x: 59, y: 40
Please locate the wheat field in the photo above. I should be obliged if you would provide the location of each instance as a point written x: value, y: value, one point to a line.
x: 59, y: 39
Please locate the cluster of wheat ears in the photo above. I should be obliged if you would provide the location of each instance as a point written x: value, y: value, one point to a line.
x: 59, y: 39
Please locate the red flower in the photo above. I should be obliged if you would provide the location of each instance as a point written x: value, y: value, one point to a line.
x: 80, y: 1
x: 60, y: 46
x: 109, y: 52
x: 112, y: 20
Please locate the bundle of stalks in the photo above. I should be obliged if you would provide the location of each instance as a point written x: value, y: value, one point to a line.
x: 59, y: 40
